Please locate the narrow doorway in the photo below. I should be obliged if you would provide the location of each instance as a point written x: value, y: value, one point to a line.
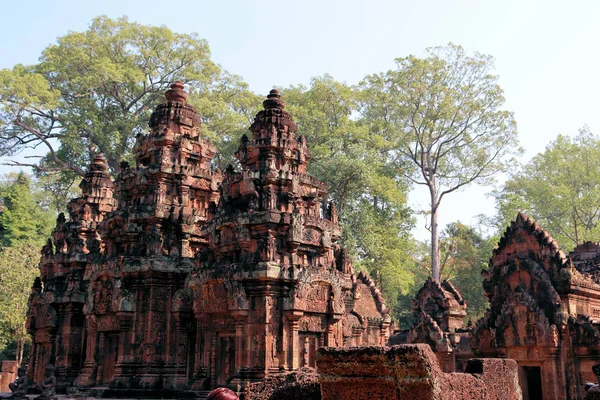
x: 309, y: 344
x: 225, y: 367
x: 111, y: 351
x: 530, y: 380
x: 191, y: 354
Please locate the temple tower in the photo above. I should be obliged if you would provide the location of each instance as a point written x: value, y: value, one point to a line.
x: 55, y: 319
x: 274, y: 284
x: 149, y: 243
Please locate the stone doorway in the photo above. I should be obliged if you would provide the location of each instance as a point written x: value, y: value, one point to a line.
x: 530, y: 380
x: 111, y: 351
x: 191, y: 355
x: 309, y: 344
x: 225, y: 358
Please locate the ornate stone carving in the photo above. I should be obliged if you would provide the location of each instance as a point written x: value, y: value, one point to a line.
x: 200, y: 277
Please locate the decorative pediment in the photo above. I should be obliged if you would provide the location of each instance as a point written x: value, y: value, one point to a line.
x: 522, y: 323
x: 428, y: 331
x: 441, y: 302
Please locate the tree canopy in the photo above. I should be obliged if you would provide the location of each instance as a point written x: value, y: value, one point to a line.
x: 25, y: 224
x: 444, y: 115
x: 93, y: 92
x: 22, y: 215
x: 355, y: 165
x: 559, y: 188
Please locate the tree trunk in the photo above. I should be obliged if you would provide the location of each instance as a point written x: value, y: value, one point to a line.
x: 20, y: 345
x: 435, y: 244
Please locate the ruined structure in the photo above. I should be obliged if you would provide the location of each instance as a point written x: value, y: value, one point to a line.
x: 56, y: 318
x: 438, y: 311
x: 544, y: 311
x: 188, y: 278
x: 411, y: 372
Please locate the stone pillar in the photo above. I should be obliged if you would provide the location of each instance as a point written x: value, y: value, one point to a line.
x: 384, y: 333
x: 202, y: 356
x: 86, y: 377
x: 240, y: 348
x: 213, y: 358
x: 125, y: 325
x: 294, y: 342
x: 100, y: 357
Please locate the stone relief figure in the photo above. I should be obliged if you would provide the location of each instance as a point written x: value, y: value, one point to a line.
x: 48, y: 385
x: 227, y: 361
x: 274, y: 352
x: 20, y: 385
x: 306, y: 352
x: 295, y: 232
x: 326, y: 240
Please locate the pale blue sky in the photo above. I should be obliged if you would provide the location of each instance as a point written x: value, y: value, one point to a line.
x: 546, y: 51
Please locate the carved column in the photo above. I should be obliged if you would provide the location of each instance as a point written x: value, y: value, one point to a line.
x: 202, y: 357
x: 213, y: 358
x: 384, y: 333
x: 86, y: 378
x: 294, y: 343
x: 240, y: 327
x: 100, y: 358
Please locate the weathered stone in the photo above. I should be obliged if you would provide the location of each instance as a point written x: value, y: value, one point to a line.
x: 411, y: 372
x: 439, y: 310
x: 188, y: 278
x: 544, y: 311
x: 302, y: 384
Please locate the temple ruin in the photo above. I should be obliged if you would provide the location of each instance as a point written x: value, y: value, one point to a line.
x: 177, y: 276
x: 544, y: 313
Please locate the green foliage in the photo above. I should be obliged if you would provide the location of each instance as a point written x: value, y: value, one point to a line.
x: 465, y: 253
x: 18, y: 269
x: 22, y: 217
x: 93, y: 91
x: 25, y: 224
x: 559, y: 188
x: 355, y: 165
x: 443, y: 114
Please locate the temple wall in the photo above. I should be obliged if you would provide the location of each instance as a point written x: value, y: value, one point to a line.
x: 8, y: 374
x: 411, y: 372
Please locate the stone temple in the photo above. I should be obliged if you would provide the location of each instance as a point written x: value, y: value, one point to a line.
x: 177, y: 276
x: 544, y: 314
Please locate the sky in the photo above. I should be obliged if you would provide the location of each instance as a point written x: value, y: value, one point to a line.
x: 546, y: 52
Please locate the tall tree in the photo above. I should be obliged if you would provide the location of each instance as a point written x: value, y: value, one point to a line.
x: 559, y: 188
x: 25, y: 224
x: 17, y: 271
x: 93, y: 91
x: 353, y: 162
x: 444, y: 115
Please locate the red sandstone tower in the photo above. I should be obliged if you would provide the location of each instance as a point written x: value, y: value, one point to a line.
x: 55, y: 318
x: 183, y: 282
x: 149, y: 242
x: 275, y: 285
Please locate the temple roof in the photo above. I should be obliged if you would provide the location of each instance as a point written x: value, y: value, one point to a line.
x: 586, y: 258
x: 527, y: 223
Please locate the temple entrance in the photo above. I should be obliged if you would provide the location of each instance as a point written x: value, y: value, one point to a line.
x: 309, y: 343
x: 225, y: 357
x: 111, y: 351
x: 191, y: 355
x: 530, y: 380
